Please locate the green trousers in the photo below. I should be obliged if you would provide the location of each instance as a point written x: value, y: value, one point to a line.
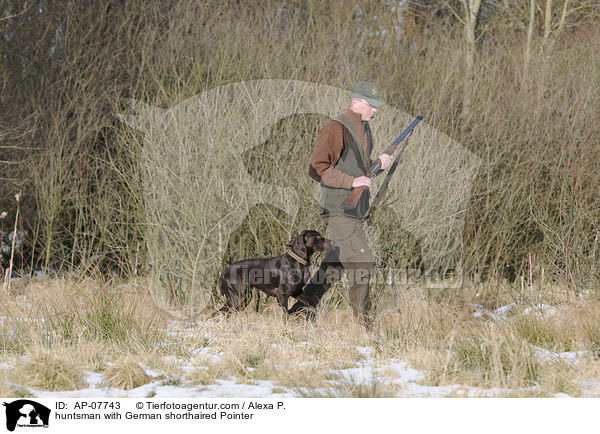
x: 352, y: 255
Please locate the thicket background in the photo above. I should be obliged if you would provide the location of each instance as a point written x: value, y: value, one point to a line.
x: 517, y: 82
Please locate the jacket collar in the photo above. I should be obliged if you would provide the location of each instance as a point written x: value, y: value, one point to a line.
x: 355, y: 118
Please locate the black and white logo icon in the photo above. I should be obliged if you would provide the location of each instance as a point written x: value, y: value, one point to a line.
x: 26, y: 413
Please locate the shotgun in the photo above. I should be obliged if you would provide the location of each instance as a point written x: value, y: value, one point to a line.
x: 353, y: 198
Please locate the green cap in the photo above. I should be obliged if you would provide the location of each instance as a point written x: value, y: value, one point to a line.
x: 367, y: 91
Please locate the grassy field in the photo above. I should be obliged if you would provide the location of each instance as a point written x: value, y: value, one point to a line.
x: 58, y: 334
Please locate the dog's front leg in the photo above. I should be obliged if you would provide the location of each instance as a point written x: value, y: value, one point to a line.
x: 283, y: 301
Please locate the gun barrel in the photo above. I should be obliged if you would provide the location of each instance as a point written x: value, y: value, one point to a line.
x: 408, y: 129
x: 374, y: 169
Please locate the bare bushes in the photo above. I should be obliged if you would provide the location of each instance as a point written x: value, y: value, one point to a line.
x: 533, y: 210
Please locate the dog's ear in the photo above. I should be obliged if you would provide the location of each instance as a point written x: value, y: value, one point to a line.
x: 298, y: 245
x: 290, y: 243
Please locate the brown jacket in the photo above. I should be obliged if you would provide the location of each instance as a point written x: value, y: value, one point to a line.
x: 329, y: 147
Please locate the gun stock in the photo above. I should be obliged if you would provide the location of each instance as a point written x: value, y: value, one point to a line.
x: 351, y: 201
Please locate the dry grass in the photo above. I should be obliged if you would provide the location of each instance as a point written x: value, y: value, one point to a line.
x: 49, y: 369
x: 8, y: 387
x: 125, y: 374
x: 55, y: 328
x: 435, y: 332
x: 87, y: 310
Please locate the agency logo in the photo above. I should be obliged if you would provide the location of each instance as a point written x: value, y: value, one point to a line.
x: 25, y: 413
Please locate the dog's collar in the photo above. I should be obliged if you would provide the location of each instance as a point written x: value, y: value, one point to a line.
x: 297, y: 258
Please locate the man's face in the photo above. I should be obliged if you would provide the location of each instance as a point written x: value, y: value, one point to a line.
x: 366, y: 110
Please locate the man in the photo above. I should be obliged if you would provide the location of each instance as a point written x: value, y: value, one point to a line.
x: 339, y: 161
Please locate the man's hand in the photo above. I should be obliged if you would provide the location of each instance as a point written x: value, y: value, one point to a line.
x: 361, y: 181
x: 386, y: 160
